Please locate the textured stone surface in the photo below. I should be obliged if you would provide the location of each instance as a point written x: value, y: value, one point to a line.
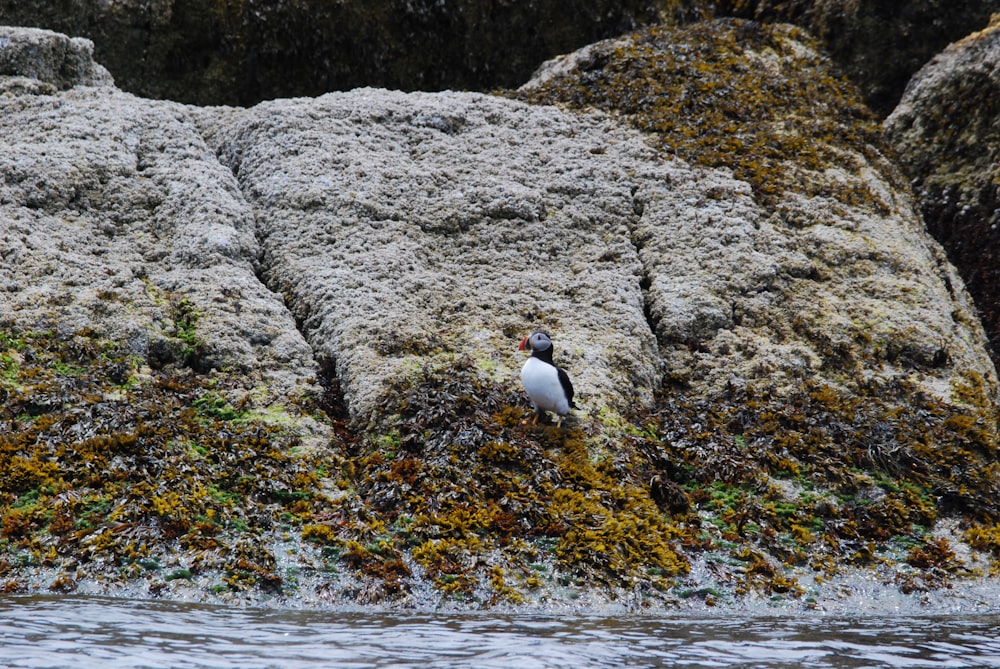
x: 116, y: 217
x: 818, y: 267
x: 406, y: 227
x: 411, y: 225
x: 50, y: 58
x: 879, y: 44
x: 947, y: 132
x: 401, y: 225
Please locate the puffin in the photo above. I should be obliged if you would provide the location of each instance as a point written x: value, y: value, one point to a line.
x: 548, y: 386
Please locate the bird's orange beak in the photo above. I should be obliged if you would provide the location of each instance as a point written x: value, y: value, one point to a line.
x: 524, y: 345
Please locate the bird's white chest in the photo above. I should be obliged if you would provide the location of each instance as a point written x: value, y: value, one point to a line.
x: 541, y: 382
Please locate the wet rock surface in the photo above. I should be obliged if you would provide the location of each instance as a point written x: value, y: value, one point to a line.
x: 270, y: 353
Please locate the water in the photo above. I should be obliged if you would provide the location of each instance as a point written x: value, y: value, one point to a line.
x: 84, y: 632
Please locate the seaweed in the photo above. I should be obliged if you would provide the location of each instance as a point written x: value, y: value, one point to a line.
x: 165, y: 478
x: 730, y: 93
x: 485, y: 495
x: 104, y: 463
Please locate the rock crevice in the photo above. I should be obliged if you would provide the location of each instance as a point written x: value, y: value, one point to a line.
x: 417, y: 226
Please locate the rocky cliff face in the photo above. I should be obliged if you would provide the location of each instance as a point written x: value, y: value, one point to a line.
x: 292, y: 329
x: 241, y: 53
x: 945, y: 130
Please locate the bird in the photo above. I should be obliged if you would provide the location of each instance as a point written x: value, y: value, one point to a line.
x: 548, y: 386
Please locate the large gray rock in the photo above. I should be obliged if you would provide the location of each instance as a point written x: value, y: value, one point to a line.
x: 116, y: 217
x: 403, y: 227
x: 818, y: 268
x: 50, y: 58
x: 947, y: 132
x: 412, y: 227
x: 406, y: 228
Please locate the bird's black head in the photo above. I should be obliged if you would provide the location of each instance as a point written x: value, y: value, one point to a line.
x: 540, y: 346
x: 536, y: 341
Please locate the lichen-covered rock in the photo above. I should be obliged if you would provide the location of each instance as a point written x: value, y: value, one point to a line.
x: 946, y: 130
x: 50, y: 58
x: 814, y: 264
x: 410, y: 227
x: 156, y: 400
x: 116, y: 218
x: 407, y: 226
x: 780, y: 376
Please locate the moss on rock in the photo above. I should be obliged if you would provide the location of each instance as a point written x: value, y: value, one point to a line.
x: 756, y: 98
x: 878, y: 45
x: 107, y: 467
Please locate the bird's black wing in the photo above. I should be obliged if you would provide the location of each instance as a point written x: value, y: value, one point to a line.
x: 566, y: 385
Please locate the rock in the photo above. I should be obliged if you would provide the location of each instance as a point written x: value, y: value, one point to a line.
x: 219, y: 53
x: 403, y: 226
x: 50, y: 58
x: 411, y: 227
x: 945, y: 130
x: 779, y: 372
x: 814, y: 265
x: 116, y: 218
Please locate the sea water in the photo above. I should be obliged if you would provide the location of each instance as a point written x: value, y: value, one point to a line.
x: 99, y: 633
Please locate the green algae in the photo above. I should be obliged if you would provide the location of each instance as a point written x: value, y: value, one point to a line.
x: 483, y: 496
x: 108, y: 476
x: 456, y: 490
